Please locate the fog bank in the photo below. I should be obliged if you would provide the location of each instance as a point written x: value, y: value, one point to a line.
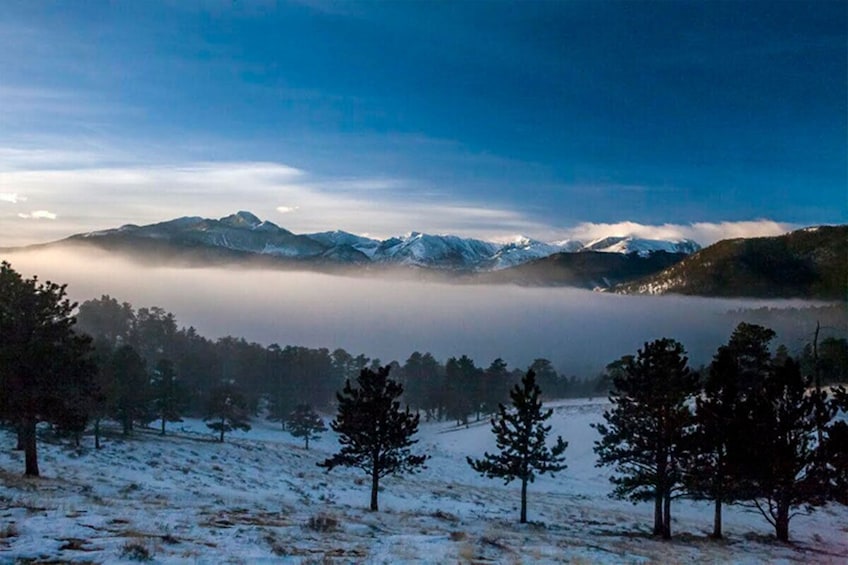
x: 579, y: 331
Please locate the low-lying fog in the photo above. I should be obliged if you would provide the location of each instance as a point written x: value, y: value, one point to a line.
x: 579, y: 331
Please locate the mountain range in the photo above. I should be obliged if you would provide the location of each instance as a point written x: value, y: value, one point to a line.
x: 244, y: 233
x: 807, y: 263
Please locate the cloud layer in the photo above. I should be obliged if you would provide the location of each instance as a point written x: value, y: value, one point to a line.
x: 94, y: 195
x: 704, y: 233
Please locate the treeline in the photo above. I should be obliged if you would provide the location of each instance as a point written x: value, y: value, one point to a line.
x: 275, y: 379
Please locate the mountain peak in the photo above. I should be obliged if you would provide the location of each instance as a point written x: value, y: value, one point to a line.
x: 241, y: 219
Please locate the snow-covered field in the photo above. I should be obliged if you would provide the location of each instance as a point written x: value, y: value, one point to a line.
x: 259, y: 497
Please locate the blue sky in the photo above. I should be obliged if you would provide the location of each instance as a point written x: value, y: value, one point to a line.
x: 553, y: 119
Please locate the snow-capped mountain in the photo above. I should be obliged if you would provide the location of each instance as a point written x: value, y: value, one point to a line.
x: 238, y: 232
x: 338, y: 238
x: 244, y: 233
x: 441, y: 251
x: 643, y: 247
x: 521, y: 250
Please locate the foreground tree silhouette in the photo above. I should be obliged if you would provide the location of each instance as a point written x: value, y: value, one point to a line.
x: 783, y: 469
x: 44, y: 364
x: 520, y: 434
x: 736, y: 374
x: 644, y: 436
x: 306, y: 423
x: 375, y: 434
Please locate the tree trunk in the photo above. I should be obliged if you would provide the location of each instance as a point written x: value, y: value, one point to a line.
x: 375, y: 485
x: 667, y: 516
x: 523, y: 519
x: 781, y: 523
x: 30, y: 452
x: 163, y: 425
x: 658, y: 513
x: 97, y: 433
x: 19, y: 429
x: 307, y: 441
x: 222, y: 430
x: 717, y: 519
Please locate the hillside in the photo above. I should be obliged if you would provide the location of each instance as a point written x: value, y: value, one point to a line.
x: 259, y: 497
x: 587, y: 269
x: 810, y: 263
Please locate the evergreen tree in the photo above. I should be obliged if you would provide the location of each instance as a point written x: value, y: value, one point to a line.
x: 834, y: 449
x: 520, y: 434
x: 168, y: 393
x: 306, y: 423
x: 130, y: 388
x: 548, y: 378
x: 736, y: 373
x: 77, y: 389
x: 280, y: 394
x: 227, y: 410
x: 463, y: 388
x: 496, y: 385
x: 374, y: 433
x: 105, y: 319
x: 644, y: 435
x: 783, y: 470
x: 43, y: 362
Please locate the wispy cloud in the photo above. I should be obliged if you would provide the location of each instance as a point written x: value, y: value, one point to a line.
x: 38, y: 215
x: 704, y: 233
x: 12, y: 197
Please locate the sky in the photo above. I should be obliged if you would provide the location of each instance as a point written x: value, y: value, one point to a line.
x: 481, y: 118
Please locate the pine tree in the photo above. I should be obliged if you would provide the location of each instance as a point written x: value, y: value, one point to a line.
x: 520, y: 434
x: 306, y: 423
x: 227, y: 410
x: 644, y: 436
x: 737, y: 372
x: 375, y: 434
x: 168, y: 393
x: 130, y: 388
x: 462, y: 380
x: 43, y: 362
x: 782, y: 470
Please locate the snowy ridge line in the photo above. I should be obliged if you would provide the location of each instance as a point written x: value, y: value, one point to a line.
x: 245, y: 232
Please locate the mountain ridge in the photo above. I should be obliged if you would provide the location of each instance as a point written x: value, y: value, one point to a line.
x: 245, y: 232
x: 807, y: 263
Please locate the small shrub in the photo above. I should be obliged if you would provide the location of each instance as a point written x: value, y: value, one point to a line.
x: 323, y: 523
x: 135, y: 551
x: 10, y: 531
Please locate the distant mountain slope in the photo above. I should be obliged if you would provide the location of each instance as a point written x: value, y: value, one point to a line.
x: 587, y: 269
x: 807, y: 263
x: 244, y: 237
x: 242, y: 232
x: 643, y: 247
